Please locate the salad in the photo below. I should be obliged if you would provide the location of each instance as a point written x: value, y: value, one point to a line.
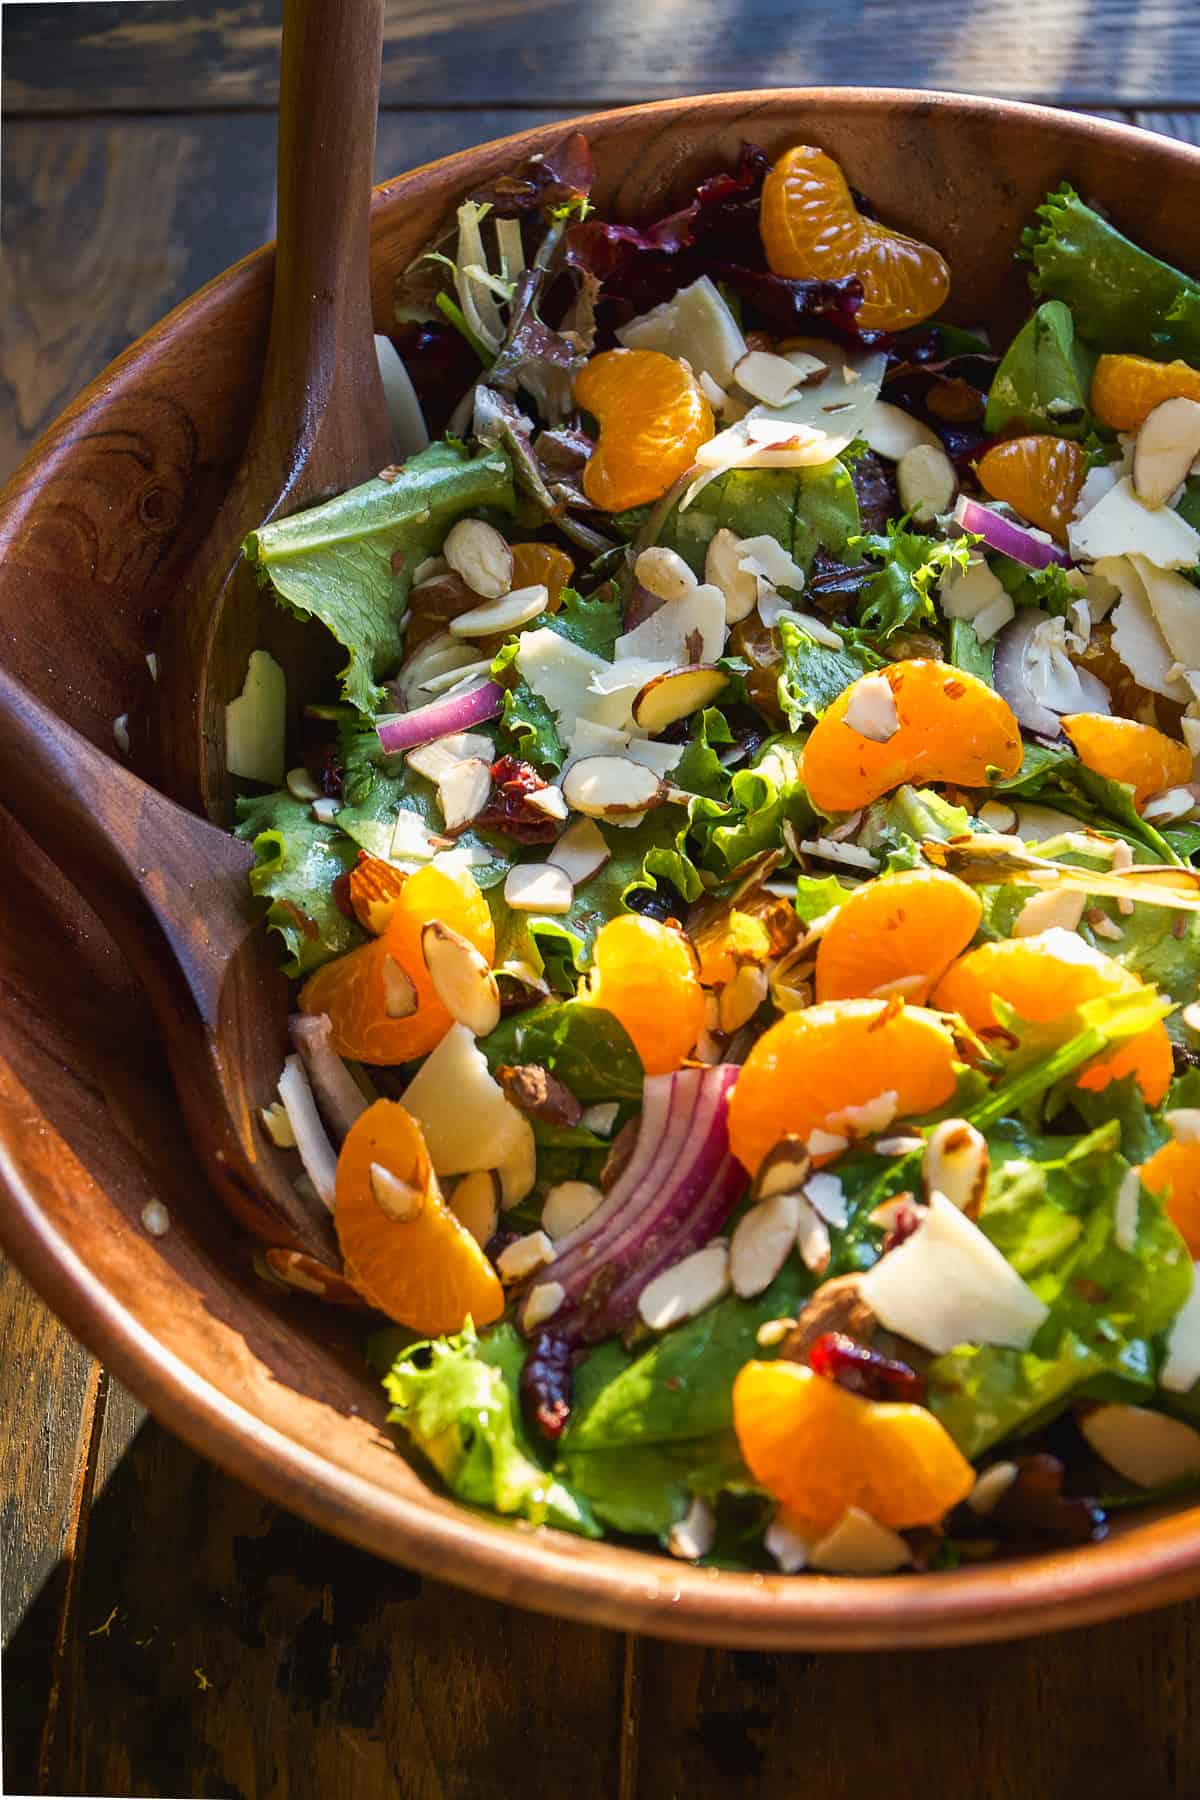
x: 741, y: 898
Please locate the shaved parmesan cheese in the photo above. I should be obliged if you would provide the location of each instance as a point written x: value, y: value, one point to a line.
x: 1137, y: 637
x: 860, y: 1545
x: 991, y: 619
x: 1175, y: 604
x: 558, y: 671
x: 688, y: 630
x: 696, y: 325
x: 255, y: 723
x: 466, y: 1120
x: 766, y: 559
x: 963, y: 593
x: 948, y: 1284
x: 871, y: 710
x: 1120, y: 525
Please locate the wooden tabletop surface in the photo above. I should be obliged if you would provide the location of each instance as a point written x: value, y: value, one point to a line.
x: 168, y: 1632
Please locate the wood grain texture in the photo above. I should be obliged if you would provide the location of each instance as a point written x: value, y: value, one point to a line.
x: 213, y: 53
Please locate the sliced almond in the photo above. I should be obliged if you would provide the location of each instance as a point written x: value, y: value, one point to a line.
x: 1167, y: 444
x: 475, y: 1203
x: 997, y: 816
x: 723, y: 570
x: 450, y: 681
x: 412, y: 840
x: 685, y: 1290
x: 400, y: 1200
x: 545, y: 1299
x: 677, y: 695
x: 789, y: 1547
x: 694, y: 1535
x: 461, y: 977
x: 955, y: 1164
x: 784, y: 1169
x: 538, y: 887
x: 505, y: 614
x: 399, y: 994
x: 812, y: 1239
x: 463, y: 792
x: 893, y: 433
x: 568, y: 1204
x: 549, y: 800
x: 663, y: 573
x: 926, y: 480
x: 770, y: 378
x: 991, y: 1486
x: 300, y: 784
x: 477, y: 552
x: 607, y: 786
x: 871, y: 709
x: 762, y: 1242
x: 1183, y: 1123
x: 521, y: 1258
x: 860, y: 1545
x: 517, y: 1169
x: 1171, y: 805
x: 827, y: 1197
x: 1146, y: 1447
x: 600, y: 1118
x: 741, y: 998
x: 686, y: 630
x: 580, y: 852
x: 437, y: 758
x: 1056, y: 907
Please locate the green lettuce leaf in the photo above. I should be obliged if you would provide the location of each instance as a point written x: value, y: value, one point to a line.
x: 966, y: 651
x: 593, y: 624
x: 813, y: 675
x: 803, y: 509
x: 584, y: 1046
x: 900, y: 596
x: 1043, y: 380
x: 297, y: 863
x: 1048, y: 588
x: 349, y: 562
x: 527, y: 728
x: 760, y: 799
x: 818, y: 894
x: 898, y: 824
x: 984, y: 1394
x: 374, y: 788
x: 458, y: 1401
x: 1122, y: 298
x: 645, y: 1488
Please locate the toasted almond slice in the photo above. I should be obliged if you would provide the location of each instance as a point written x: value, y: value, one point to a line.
x: 1058, y: 907
x: 762, y: 1243
x: 860, y: 1545
x: 399, y: 994
x: 326, y: 809
x: 567, y: 1205
x: 991, y: 1486
x: 1167, y: 444
x: 812, y: 1238
x: 722, y: 569
x: 741, y: 998
x: 956, y: 1163
x: 663, y: 573
x: 477, y: 552
x: 300, y: 784
x: 687, y: 1288
x: 1146, y: 1447
x: 550, y: 801
x: 400, y: 1200
x: 463, y: 792
x: 784, y: 1169
x: 504, y: 614
x: 538, y: 887
x: 871, y: 710
x: 892, y: 433
x: 602, y: 786
x: 475, y: 1203
x: 524, y: 1255
x: 580, y: 852
x: 517, y: 1171
x: 461, y: 977
x: 694, y: 1535
x: 449, y: 681
x: 434, y: 759
x: 666, y: 698
x: 770, y: 378
x: 997, y: 816
x: 544, y: 1301
x: 926, y: 480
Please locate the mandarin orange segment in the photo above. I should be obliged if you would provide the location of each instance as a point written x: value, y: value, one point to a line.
x: 404, y: 1250
x: 1039, y: 477
x: 1126, y: 389
x: 646, y: 975
x: 1041, y: 978
x: 1139, y: 756
x: 811, y: 1066
x: 364, y: 991
x: 953, y: 727
x: 821, y: 1450
x: 653, y: 418
x: 812, y: 230
x: 1173, y: 1172
x: 896, y: 934
x: 375, y: 887
x: 542, y: 565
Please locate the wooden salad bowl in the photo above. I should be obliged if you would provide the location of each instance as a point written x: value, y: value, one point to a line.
x: 96, y: 528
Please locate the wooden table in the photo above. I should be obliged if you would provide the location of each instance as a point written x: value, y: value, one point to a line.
x: 169, y: 1632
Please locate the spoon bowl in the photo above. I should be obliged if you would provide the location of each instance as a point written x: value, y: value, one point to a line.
x: 91, y: 554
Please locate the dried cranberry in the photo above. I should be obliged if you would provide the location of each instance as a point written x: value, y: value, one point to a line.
x: 1033, y: 1510
x: 874, y: 483
x: 903, y: 1225
x: 341, y: 895
x: 324, y: 764
x: 547, y: 1381
x: 508, y: 809
x: 863, y: 1371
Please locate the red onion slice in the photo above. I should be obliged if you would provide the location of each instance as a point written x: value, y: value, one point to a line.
x: 458, y: 712
x: 999, y: 533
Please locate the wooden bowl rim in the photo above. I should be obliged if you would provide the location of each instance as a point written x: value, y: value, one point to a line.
x: 1147, y: 1565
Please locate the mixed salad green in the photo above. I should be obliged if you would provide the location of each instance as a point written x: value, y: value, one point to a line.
x: 742, y: 890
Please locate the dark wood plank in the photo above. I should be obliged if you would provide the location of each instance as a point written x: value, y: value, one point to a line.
x: 221, y: 1647
x: 464, y: 52
x: 1086, y: 1716
x: 1185, y: 125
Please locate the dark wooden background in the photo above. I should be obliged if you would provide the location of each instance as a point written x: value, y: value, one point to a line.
x: 168, y: 1632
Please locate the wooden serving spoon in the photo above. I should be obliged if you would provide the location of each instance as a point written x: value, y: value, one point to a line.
x: 321, y: 424
x: 171, y: 888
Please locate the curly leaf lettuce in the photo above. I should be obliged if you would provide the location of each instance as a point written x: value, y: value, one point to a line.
x: 813, y: 675
x: 349, y: 562
x: 899, y: 596
x: 297, y: 863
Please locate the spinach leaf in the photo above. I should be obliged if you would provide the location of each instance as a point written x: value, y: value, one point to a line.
x: 584, y: 1046
x: 813, y: 675
x: 458, y: 1400
x: 1043, y: 380
x: 297, y: 863
x: 593, y: 624
x: 804, y: 509
x: 349, y: 562
x: 645, y: 1488
x: 984, y: 1394
x: 966, y: 651
x: 1122, y: 298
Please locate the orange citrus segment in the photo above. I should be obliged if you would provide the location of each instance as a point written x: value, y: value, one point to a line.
x: 646, y: 974
x: 821, y: 1450
x: 811, y: 229
x: 953, y: 727
x: 358, y: 989
x: 1039, y: 477
x: 1174, y: 1173
x: 896, y: 935
x: 653, y: 417
x: 1125, y: 389
x: 425, y: 1271
x: 1140, y: 756
x: 813, y: 1065
x: 1041, y: 978
x: 545, y: 565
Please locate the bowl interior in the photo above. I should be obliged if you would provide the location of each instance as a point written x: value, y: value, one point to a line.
x: 273, y: 1386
